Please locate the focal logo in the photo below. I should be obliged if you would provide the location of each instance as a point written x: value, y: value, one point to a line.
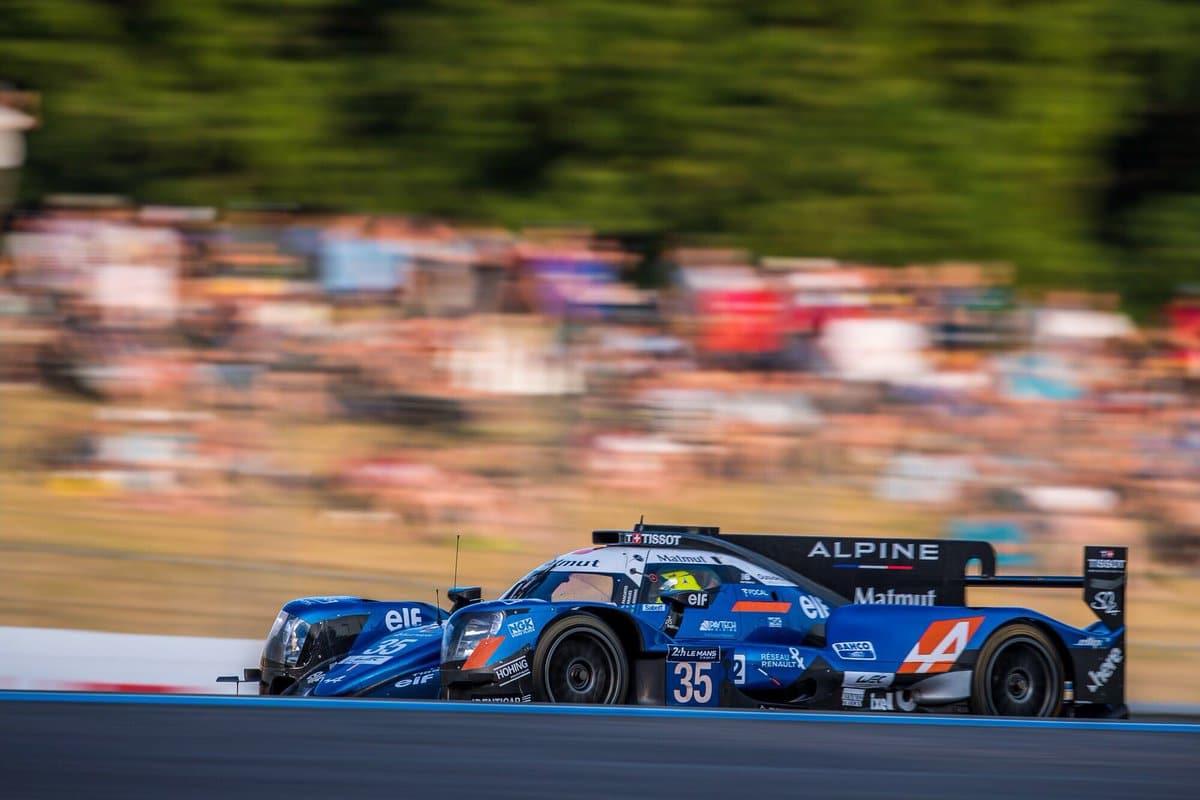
x: 1106, y: 602
x: 1103, y: 673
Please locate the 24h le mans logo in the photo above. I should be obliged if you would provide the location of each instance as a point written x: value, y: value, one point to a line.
x: 940, y: 645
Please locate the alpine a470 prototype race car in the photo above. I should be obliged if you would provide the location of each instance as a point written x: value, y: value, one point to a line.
x: 687, y: 616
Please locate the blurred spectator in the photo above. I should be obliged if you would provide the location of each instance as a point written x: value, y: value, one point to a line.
x: 228, y: 343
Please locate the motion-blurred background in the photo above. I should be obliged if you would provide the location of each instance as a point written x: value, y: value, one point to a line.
x: 293, y: 292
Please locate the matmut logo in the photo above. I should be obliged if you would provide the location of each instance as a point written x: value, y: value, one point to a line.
x: 940, y: 645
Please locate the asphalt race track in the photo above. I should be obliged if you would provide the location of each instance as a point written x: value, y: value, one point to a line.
x: 121, y: 747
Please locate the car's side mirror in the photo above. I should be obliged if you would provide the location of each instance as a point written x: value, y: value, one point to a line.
x: 681, y: 600
x: 463, y: 596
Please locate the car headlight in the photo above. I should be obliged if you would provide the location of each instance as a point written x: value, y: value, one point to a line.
x: 294, y: 634
x: 465, y: 635
x: 286, y: 639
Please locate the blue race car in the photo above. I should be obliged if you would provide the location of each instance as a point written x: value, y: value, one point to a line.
x: 687, y: 616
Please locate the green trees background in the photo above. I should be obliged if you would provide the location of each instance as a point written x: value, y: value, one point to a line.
x: 1063, y: 137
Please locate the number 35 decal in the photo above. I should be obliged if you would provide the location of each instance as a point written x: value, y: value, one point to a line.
x: 695, y: 683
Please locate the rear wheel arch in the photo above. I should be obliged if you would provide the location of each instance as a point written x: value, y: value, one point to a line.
x: 1064, y: 655
x: 1020, y: 638
x: 1065, y: 661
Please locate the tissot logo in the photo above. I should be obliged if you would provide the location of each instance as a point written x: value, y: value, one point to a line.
x: 659, y: 539
x: 858, y: 550
x: 1106, y: 564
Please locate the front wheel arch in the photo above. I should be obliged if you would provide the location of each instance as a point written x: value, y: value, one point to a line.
x: 579, y: 658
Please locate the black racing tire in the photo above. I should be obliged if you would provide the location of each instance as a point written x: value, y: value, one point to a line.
x: 580, y: 660
x: 1018, y: 674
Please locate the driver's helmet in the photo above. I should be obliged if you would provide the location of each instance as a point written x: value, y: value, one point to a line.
x: 679, y: 580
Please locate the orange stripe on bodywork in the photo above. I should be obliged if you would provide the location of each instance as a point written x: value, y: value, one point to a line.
x: 762, y: 605
x: 483, y: 652
x: 940, y: 645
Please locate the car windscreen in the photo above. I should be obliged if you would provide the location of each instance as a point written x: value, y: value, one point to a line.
x: 563, y: 585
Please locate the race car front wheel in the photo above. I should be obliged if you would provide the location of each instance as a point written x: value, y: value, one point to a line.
x: 1018, y: 674
x: 580, y: 660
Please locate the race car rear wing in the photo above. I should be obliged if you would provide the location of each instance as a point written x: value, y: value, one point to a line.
x: 926, y: 572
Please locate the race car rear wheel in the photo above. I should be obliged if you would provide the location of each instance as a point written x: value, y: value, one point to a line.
x: 580, y: 660
x: 1018, y: 674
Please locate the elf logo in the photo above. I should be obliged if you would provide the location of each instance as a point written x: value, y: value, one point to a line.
x: 940, y: 645
x: 400, y: 618
x: 419, y: 679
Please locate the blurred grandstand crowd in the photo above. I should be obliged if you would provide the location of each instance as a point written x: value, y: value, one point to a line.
x: 1020, y: 419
